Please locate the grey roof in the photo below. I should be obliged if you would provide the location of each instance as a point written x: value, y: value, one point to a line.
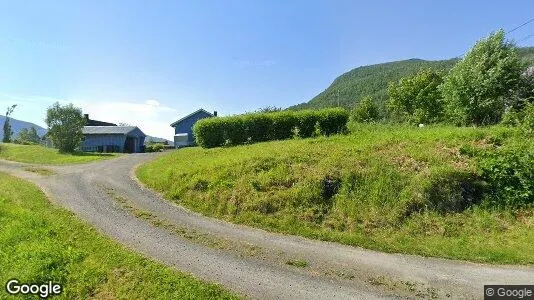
x: 125, y: 130
x: 190, y: 115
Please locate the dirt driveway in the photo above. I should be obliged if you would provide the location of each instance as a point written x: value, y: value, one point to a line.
x: 249, y: 261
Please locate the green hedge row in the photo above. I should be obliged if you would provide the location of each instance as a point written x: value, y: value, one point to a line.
x: 260, y: 127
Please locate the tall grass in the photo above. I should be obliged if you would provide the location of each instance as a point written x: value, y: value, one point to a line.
x: 40, y: 242
x: 398, y: 189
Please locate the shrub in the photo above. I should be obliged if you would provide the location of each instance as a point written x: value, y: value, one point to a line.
x: 260, y: 127
x: 234, y: 131
x: 332, y: 121
x: 283, y: 125
x: 209, y: 132
x: 509, y: 174
x: 306, y: 121
x: 154, y: 147
x: 366, y: 111
x: 527, y: 122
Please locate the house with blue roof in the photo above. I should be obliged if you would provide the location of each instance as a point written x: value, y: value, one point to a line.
x: 183, y: 128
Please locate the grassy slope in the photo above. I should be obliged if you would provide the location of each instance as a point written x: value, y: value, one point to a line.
x: 373, y: 80
x: 42, y: 155
x: 41, y: 242
x: 384, y: 172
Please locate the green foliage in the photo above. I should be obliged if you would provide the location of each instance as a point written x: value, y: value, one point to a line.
x: 7, y: 127
x: 416, y: 99
x: 366, y: 111
x: 373, y: 80
x: 209, y: 132
x: 478, y: 87
x: 509, y: 172
x: 261, y: 127
x: 389, y: 187
x: 28, y: 137
x: 65, y: 125
x: 525, y: 92
x: 42, y: 242
x: 527, y: 122
x: 154, y: 147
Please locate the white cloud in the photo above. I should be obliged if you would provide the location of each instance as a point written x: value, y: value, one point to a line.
x: 150, y: 116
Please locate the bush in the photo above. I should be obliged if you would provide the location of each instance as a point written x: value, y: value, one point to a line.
x: 366, y: 111
x: 332, y: 121
x: 209, y: 132
x: 527, y: 122
x: 306, y: 122
x: 260, y: 127
x: 154, y: 147
x: 510, y: 175
x: 283, y: 125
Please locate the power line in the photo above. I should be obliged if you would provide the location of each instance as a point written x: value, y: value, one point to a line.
x: 509, y: 31
x: 516, y: 28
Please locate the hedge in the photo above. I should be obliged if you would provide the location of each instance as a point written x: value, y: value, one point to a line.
x: 260, y: 127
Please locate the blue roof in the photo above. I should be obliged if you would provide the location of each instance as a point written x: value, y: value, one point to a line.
x: 190, y: 115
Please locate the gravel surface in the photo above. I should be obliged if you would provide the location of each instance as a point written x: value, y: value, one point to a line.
x: 249, y: 261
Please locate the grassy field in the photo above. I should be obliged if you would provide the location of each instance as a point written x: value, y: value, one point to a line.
x: 41, y: 242
x: 390, y: 188
x: 42, y: 155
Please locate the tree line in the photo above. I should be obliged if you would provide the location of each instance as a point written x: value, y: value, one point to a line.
x: 488, y: 85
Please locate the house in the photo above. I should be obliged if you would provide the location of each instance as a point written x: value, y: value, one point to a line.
x: 89, y: 122
x: 129, y: 139
x: 183, y: 128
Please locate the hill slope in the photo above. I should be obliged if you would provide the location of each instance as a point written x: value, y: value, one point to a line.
x: 349, y: 88
x: 18, y: 125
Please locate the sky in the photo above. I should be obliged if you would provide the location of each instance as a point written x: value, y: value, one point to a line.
x: 149, y: 63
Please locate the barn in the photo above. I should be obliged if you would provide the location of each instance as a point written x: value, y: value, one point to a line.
x: 128, y: 139
x: 183, y: 128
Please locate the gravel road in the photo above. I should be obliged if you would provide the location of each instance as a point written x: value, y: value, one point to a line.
x: 251, y: 262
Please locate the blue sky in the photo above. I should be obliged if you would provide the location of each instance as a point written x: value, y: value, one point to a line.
x: 149, y: 63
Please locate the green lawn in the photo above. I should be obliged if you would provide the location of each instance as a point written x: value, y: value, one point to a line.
x: 41, y: 242
x: 384, y: 187
x: 41, y: 155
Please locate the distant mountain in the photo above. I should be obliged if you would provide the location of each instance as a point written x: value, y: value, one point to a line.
x: 157, y: 140
x: 348, y: 89
x: 18, y: 125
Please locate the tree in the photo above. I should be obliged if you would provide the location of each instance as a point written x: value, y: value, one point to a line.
x: 525, y: 91
x: 366, y: 111
x: 65, y: 125
x: 416, y: 99
x: 28, y: 136
x: 269, y: 109
x: 479, y: 87
x: 7, y: 127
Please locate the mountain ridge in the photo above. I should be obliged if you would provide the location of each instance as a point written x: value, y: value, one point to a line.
x: 18, y: 125
x: 350, y: 87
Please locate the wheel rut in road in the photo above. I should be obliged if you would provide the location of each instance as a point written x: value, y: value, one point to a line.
x: 252, y: 262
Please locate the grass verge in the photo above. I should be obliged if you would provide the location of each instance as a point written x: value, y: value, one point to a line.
x: 41, y: 242
x: 394, y: 189
x: 41, y: 155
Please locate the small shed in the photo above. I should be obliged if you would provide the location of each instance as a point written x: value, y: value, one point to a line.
x: 183, y: 128
x: 127, y: 139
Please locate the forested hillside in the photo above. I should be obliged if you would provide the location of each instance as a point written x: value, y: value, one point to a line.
x: 349, y: 88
